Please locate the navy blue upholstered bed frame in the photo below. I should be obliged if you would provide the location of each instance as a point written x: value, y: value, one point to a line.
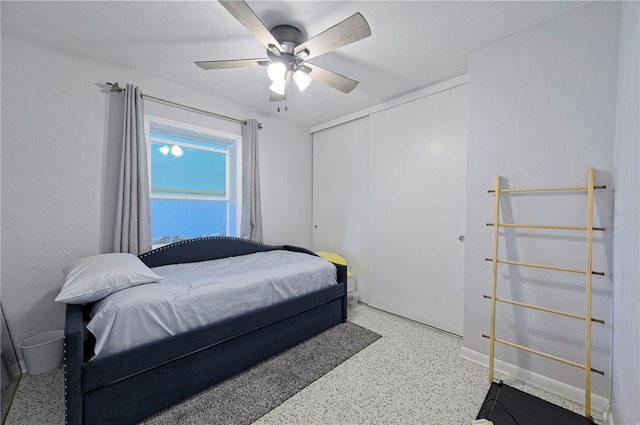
x: 126, y: 387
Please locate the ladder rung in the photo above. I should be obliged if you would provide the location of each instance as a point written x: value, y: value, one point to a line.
x: 548, y: 310
x: 543, y: 266
x: 545, y: 226
x: 546, y: 189
x: 543, y: 354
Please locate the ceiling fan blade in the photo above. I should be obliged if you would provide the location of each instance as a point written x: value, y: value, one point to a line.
x: 236, y: 63
x: 350, y: 30
x: 243, y: 13
x: 330, y: 78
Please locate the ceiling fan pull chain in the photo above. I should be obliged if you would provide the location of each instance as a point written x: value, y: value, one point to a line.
x: 286, y: 106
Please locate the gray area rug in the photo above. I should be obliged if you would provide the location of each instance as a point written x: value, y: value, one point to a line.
x: 244, y: 398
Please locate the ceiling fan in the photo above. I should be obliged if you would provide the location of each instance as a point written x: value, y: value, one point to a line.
x: 288, y: 51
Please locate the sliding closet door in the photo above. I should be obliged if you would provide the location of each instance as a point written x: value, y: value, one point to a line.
x: 417, y: 189
x: 341, y: 195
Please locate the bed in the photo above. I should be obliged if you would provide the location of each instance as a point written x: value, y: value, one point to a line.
x: 127, y: 386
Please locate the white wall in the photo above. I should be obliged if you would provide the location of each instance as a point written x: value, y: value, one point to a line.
x: 625, y: 392
x: 542, y: 110
x: 58, y: 126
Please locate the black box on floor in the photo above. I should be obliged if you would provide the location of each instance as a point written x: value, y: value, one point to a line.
x: 505, y: 405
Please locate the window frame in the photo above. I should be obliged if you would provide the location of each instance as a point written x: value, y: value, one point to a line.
x: 233, y: 177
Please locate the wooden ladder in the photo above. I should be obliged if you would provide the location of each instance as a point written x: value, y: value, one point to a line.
x: 587, y: 271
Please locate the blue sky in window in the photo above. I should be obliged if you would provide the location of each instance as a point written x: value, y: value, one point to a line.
x: 187, y: 218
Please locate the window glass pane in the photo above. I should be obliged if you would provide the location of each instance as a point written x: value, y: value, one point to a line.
x: 187, y: 218
x: 181, y: 170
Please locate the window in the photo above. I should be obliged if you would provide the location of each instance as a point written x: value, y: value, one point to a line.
x: 195, y: 181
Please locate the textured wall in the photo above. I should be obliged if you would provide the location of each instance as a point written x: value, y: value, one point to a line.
x: 542, y: 110
x: 58, y: 130
x: 626, y: 295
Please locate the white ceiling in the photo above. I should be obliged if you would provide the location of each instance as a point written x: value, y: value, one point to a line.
x: 413, y: 43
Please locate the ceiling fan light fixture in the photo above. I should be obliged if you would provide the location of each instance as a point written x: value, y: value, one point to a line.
x: 276, y: 71
x: 302, y: 80
x: 278, y: 87
x: 176, y: 151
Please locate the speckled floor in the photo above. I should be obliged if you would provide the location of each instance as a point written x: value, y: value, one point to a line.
x: 38, y: 400
x: 412, y: 375
x: 7, y: 394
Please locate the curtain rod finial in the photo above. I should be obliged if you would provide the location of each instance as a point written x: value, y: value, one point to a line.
x: 115, y: 88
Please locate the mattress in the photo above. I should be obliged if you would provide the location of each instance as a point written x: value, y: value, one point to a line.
x: 192, y: 295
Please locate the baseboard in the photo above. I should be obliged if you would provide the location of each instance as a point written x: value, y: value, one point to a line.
x: 608, y: 416
x: 598, y: 403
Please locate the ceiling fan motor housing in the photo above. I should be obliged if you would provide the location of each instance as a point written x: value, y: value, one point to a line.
x: 289, y: 37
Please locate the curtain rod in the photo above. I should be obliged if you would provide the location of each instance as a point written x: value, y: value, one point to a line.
x: 115, y: 88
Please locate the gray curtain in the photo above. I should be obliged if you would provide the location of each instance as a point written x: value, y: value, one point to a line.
x: 251, y: 225
x: 133, y: 224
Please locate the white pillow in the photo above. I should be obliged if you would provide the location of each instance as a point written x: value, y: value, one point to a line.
x: 93, y: 278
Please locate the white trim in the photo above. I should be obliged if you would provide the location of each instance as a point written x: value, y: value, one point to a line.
x: 418, y: 94
x: 235, y: 153
x: 187, y: 145
x: 574, y: 394
x: 443, y: 326
x: 191, y: 127
x: 607, y: 415
x: 188, y: 197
